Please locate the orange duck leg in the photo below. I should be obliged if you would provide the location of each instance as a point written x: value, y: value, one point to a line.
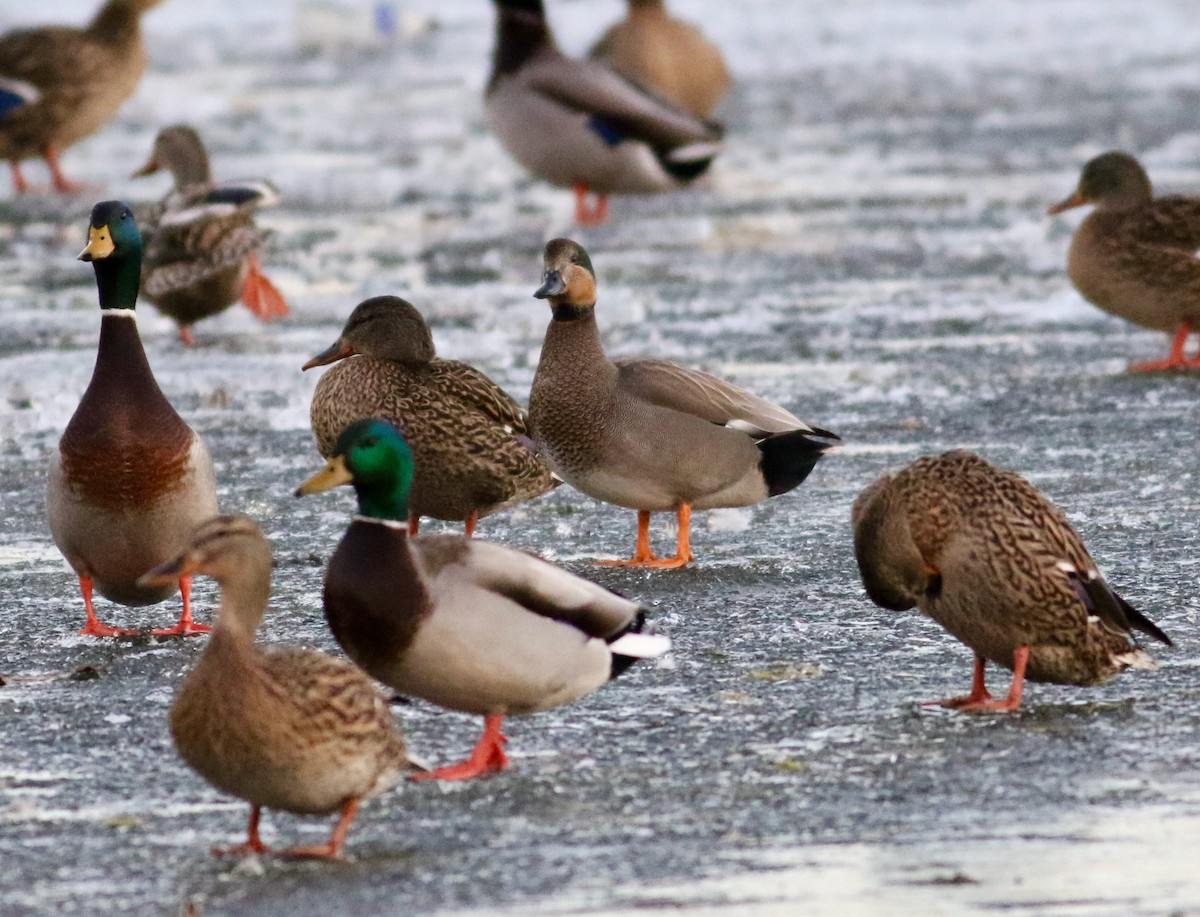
x: 487, y: 757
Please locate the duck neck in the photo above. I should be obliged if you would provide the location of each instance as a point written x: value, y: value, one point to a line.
x: 521, y: 31
x: 118, y: 278
x: 572, y: 352
x: 385, y: 501
x: 118, y: 21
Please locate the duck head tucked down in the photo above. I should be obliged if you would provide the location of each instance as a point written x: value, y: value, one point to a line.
x: 462, y: 623
x: 648, y: 434
x: 283, y: 728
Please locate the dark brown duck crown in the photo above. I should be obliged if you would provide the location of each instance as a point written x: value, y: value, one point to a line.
x: 1115, y: 177
x: 389, y: 328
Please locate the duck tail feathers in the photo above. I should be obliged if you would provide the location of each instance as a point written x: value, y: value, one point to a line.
x: 637, y: 641
x: 787, y: 458
x: 1140, y: 622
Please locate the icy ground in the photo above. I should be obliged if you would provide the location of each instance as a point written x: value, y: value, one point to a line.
x: 871, y: 251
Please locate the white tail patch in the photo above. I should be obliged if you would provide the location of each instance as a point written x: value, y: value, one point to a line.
x: 641, y: 646
x: 694, y: 151
x: 1135, y: 659
x: 27, y: 92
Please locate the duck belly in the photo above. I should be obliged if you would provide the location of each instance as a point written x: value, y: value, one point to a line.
x: 1103, y: 280
x: 114, y: 544
x: 1064, y: 648
x: 559, y: 145
x: 480, y: 652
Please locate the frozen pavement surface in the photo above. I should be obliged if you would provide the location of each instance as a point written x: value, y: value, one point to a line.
x: 871, y: 251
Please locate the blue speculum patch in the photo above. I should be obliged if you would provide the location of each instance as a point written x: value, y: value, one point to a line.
x: 607, y: 130
x: 10, y: 101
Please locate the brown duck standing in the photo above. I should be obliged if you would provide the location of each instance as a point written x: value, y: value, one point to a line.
x: 648, y: 434
x: 1134, y: 256
x: 989, y: 558
x: 284, y: 728
x: 202, y: 245
x: 662, y: 53
x: 60, y: 84
x: 130, y: 480
x: 470, y: 438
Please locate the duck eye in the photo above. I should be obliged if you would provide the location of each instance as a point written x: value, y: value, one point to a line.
x: 370, y: 441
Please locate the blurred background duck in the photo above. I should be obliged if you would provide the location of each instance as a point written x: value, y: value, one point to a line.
x: 283, y: 728
x: 648, y: 434
x: 1134, y: 255
x: 130, y: 480
x: 986, y: 556
x: 202, y: 245
x: 577, y: 124
x: 59, y: 84
x: 469, y: 437
x: 671, y: 57
x: 463, y: 623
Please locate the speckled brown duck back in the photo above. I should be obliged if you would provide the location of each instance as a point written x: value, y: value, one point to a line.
x: 984, y: 554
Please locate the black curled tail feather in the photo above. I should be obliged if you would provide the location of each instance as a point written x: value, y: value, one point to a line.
x: 787, y: 458
x: 637, y: 640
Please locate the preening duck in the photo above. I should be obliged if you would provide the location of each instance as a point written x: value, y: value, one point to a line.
x: 989, y: 558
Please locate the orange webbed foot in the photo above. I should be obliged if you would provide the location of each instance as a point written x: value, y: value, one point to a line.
x: 488, y: 756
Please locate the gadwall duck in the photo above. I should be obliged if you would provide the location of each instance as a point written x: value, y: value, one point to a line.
x: 1135, y: 255
x: 283, y: 728
x: 578, y: 124
x: 662, y: 53
x: 130, y: 480
x: 469, y: 437
x: 989, y: 558
x: 60, y: 84
x: 202, y: 245
x: 462, y: 623
x: 647, y: 434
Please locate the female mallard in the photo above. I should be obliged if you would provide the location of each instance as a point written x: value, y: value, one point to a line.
x: 465, y: 431
x: 577, y: 124
x: 284, y: 728
x: 59, y: 84
x: 667, y: 55
x: 201, y: 242
x: 462, y: 623
x: 647, y: 434
x: 130, y: 480
x: 984, y: 554
x: 1135, y: 255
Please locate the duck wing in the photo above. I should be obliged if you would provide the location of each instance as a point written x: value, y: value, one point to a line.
x: 475, y: 390
x: 704, y: 395
x: 625, y: 109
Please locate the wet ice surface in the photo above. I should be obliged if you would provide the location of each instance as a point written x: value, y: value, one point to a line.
x: 872, y: 252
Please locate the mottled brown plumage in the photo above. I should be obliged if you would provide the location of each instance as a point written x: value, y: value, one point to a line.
x: 285, y: 728
x: 985, y: 555
x: 202, y: 244
x: 464, y: 430
x: 72, y: 80
x: 662, y: 53
x: 1134, y: 256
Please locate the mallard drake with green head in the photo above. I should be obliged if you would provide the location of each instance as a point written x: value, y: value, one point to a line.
x: 130, y: 480
x: 202, y: 245
x: 60, y: 84
x: 1135, y: 255
x: 989, y: 558
x: 462, y: 623
x: 648, y: 434
x: 673, y: 58
x: 578, y: 124
x: 283, y: 728
x: 469, y: 437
